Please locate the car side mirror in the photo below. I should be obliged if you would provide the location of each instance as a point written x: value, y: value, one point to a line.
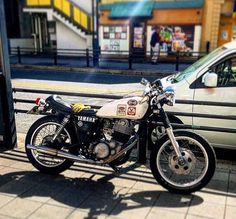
x: 210, y: 79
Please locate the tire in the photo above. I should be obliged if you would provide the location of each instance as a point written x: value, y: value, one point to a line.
x: 47, y: 163
x: 167, y: 171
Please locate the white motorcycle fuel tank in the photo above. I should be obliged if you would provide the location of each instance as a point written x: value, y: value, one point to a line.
x: 127, y: 108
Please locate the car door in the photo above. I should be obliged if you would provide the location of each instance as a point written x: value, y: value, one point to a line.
x: 224, y: 92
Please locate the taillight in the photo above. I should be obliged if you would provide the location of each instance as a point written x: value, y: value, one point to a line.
x: 37, y: 101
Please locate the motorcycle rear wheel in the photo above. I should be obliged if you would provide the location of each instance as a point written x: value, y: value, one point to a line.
x: 40, y: 133
x: 194, y: 174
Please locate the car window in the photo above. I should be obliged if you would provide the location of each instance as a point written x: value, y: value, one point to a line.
x: 226, y: 72
x: 192, y: 68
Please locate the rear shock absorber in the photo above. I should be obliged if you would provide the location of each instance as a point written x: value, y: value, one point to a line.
x: 62, y: 126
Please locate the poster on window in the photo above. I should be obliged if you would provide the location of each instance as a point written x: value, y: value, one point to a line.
x: 138, y: 37
x: 115, y: 32
x: 175, y: 38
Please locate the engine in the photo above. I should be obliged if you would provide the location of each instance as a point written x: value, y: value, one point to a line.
x: 116, y: 134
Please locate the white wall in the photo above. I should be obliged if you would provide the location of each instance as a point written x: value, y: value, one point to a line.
x: 68, y: 39
x: 105, y: 44
x: 23, y: 42
x: 84, y: 4
x: 197, y: 38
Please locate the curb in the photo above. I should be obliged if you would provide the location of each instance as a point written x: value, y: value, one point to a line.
x: 93, y: 70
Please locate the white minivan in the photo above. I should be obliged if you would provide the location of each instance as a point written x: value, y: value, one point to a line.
x: 213, y: 79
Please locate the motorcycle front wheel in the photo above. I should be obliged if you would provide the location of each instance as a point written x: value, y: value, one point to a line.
x: 197, y: 170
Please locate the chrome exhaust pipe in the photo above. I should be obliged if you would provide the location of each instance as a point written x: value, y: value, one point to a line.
x: 127, y: 147
x: 61, y: 154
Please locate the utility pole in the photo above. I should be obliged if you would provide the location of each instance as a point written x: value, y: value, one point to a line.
x: 7, y: 125
x: 96, y: 48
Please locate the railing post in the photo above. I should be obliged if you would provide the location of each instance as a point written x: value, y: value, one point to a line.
x: 177, y: 61
x: 87, y: 57
x: 55, y: 57
x: 19, y: 55
x: 130, y: 59
x: 142, y: 143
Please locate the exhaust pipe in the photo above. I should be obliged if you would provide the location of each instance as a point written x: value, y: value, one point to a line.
x: 130, y: 144
x: 60, y: 154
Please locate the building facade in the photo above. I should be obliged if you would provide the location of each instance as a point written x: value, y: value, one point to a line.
x: 124, y: 25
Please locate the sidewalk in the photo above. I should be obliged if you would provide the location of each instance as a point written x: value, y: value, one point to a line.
x: 88, y: 191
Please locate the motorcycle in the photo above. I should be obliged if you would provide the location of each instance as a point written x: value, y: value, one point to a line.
x: 181, y: 160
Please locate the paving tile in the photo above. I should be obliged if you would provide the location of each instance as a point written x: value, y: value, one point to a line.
x: 219, y: 175
x: 5, y: 217
x: 16, y: 187
x: 230, y: 212
x: 70, y: 197
x: 217, y: 186
x: 144, y: 186
x: 50, y: 212
x: 97, y: 205
x: 22, y: 166
x: 19, y: 208
x: 162, y: 213
x: 83, y: 214
x: 144, y: 198
x: 6, y: 161
x: 206, y: 209
x: 5, y: 199
x: 42, y: 192
x: 173, y: 202
x: 211, y: 197
x: 118, y: 181
x: 189, y: 216
x: 231, y: 195
x: 130, y: 210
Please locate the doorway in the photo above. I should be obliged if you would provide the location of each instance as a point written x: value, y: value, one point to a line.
x: 138, y: 38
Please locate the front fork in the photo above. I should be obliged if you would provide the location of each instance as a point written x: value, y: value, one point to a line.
x: 170, y: 133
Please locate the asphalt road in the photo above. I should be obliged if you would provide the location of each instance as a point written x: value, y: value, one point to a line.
x: 92, y: 77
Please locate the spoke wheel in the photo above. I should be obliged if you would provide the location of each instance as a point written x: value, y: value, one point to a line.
x: 41, y: 133
x: 193, y: 173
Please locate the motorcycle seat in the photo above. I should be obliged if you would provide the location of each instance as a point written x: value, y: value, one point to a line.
x: 87, y: 112
x: 59, y: 105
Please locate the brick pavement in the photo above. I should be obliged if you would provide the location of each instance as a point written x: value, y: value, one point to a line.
x: 88, y: 191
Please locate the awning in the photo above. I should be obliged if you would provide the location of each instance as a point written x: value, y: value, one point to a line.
x: 131, y: 9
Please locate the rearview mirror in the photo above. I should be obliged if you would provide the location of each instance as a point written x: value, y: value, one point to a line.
x: 210, y: 79
x: 144, y: 81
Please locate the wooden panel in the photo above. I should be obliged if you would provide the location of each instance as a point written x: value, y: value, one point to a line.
x: 66, y: 7
x: 225, y: 30
x: 44, y: 2
x: 32, y: 2
x: 176, y: 16
x: 84, y: 20
x: 58, y: 4
x: 104, y: 19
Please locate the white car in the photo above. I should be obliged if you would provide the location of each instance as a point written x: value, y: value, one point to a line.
x: 213, y: 79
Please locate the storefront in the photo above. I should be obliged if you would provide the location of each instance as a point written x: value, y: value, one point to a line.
x: 128, y: 26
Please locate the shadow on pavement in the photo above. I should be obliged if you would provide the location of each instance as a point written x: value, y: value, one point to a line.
x: 95, y: 196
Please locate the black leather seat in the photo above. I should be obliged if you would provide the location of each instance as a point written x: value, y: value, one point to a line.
x: 87, y: 112
x: 59, y: 105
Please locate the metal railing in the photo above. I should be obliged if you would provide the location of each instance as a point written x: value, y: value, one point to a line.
x: 67, y: 9
x: 84, y: 57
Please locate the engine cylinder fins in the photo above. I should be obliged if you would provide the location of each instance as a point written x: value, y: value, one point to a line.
x: 102, y: 150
